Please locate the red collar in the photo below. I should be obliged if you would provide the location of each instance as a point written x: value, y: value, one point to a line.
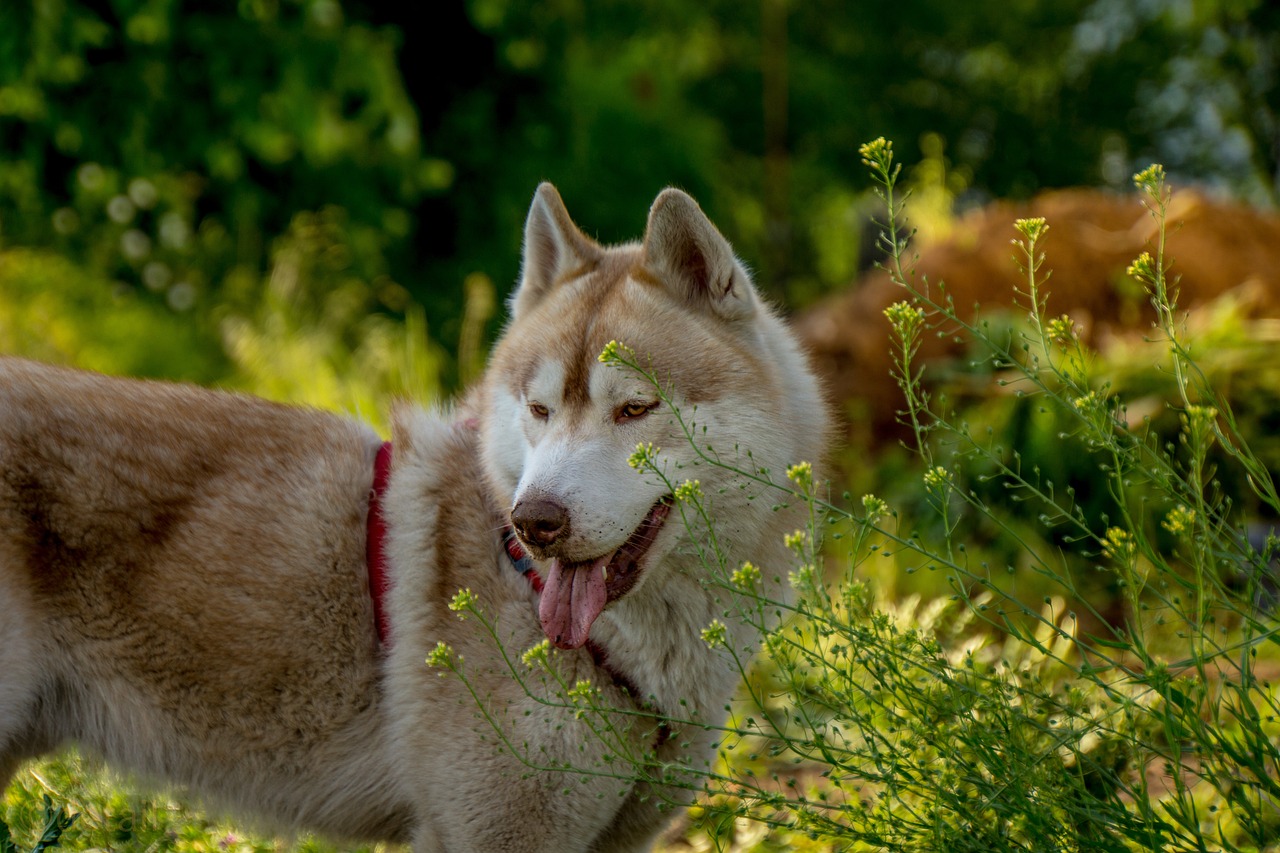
x: 520, y: 561
x: 375, y: 560
x: 375, y: 535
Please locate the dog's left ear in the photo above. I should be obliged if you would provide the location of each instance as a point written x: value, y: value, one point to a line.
x: 688, y: 254
x: 553, y: 248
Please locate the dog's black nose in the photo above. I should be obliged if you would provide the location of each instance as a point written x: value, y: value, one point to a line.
x: 540, y: 520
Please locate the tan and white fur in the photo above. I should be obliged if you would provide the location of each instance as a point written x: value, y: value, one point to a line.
x: 183, y: 588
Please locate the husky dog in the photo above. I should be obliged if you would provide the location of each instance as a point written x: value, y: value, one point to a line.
x: 184, y: 587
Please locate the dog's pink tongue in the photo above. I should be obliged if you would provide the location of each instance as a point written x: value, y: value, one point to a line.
x: 572, y: 598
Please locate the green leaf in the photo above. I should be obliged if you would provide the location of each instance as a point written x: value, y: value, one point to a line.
x: 56, y: 822
x: 6, y: 840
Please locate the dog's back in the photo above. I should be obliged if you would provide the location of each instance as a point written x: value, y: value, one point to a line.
x: 157, y: 542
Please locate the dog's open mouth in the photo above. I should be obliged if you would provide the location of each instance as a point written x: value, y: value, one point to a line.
x: 574, y: 594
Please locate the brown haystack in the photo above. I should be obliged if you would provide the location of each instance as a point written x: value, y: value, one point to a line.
x: 1216, y: 248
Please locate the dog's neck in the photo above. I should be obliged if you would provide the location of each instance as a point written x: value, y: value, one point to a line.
x: 524, y: 564
x: 661, y: 645
x: 520, y: 561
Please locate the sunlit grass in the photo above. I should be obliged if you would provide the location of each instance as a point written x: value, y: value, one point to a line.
x: 113, y: 813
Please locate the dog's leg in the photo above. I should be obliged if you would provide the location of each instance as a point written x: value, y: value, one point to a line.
x: 19, y: 675
x: 635, y: 826
x: 634, y: 830
x: 425, y: 841
x: 474, y: 798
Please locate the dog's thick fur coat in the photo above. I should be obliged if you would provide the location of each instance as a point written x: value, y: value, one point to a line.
x: 183, y: 587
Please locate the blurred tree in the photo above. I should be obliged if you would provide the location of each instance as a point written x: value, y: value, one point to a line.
x: 1211, y: 109
x: 167, y: 144
x: 1024, y: 96
x: 96, y: 325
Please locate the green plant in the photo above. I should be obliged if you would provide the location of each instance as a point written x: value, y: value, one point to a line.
x: 110, y: 813
x: 54, y: 822
x: 989, y: 718
x: 315, y: 332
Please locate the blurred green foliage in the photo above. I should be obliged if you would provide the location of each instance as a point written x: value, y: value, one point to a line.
x: 165, y: 143
x: 165, y: 146
x: 108, y: 813
x: 182, y: 187
x: 55, y: 310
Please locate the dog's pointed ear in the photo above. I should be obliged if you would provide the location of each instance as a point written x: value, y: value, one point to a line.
x: 553, y: 246
x: 689, y: 255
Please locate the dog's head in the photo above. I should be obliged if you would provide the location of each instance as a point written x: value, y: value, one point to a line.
x: 560, y: 426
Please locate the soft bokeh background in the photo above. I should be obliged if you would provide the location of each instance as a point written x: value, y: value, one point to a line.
x: 321, y: 201
x: 222, y: 192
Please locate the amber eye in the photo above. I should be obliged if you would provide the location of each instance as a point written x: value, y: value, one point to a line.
x: 539, y: 411
x: 634, y: 409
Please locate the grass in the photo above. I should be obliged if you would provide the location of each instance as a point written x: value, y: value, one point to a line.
x: 98, y: 810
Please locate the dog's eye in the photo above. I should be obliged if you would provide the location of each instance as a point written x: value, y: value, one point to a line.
x: 539, y: 411
x: 634, y: 409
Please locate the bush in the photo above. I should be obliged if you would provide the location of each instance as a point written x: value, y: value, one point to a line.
x: 989, y: 718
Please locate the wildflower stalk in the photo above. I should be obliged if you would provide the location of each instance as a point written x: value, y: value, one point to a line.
x: 986, y: 719
x: 1032, y: 230
x: 907, y: 318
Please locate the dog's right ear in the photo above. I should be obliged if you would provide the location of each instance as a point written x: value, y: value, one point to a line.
x: 693, y: 259
x: 553, y: 249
